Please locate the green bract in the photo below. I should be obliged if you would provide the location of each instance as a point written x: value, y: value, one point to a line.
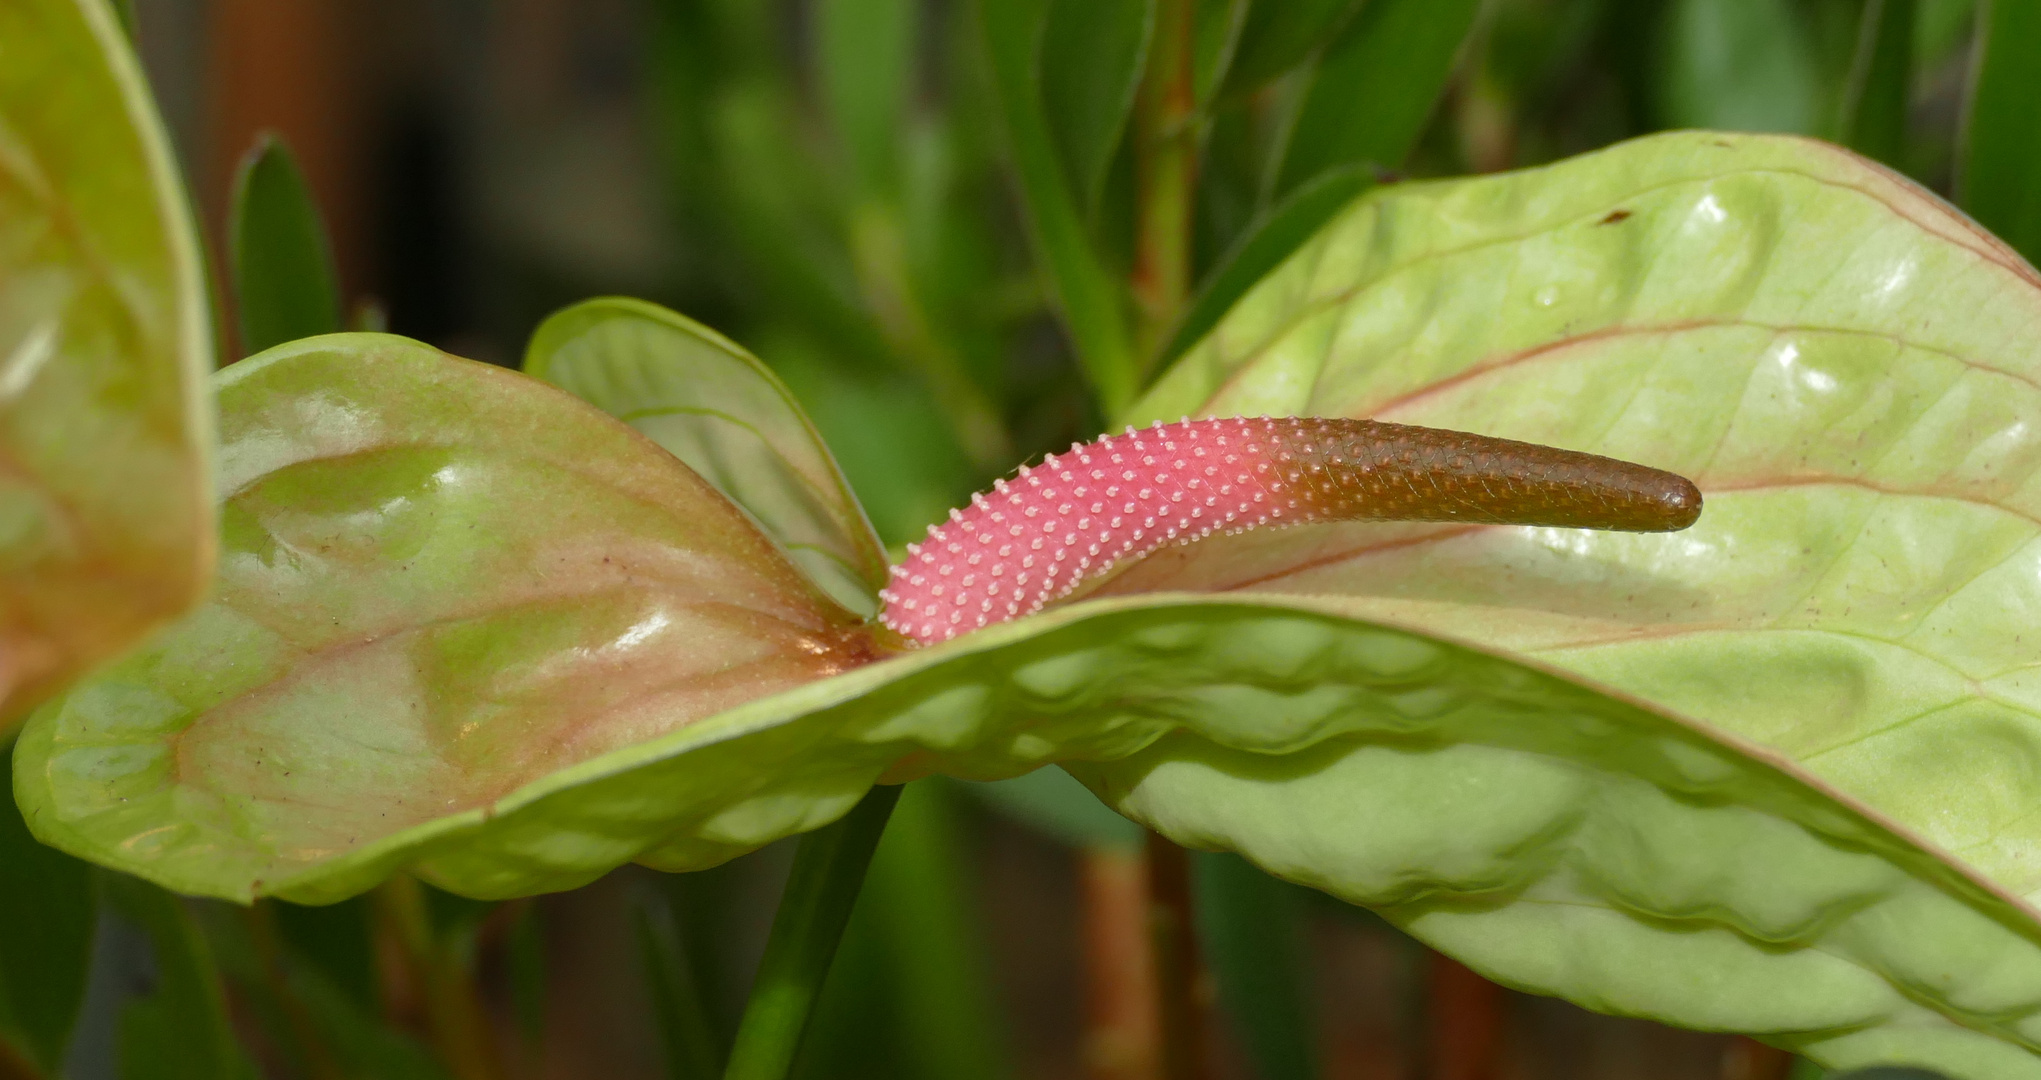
x: 714, y: 406
x: 1774, y: 774
x: 105, y: 508
x: 439, y: 582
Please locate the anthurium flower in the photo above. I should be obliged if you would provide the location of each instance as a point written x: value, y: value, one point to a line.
x: 1770, y: 774
x: 105, y: 498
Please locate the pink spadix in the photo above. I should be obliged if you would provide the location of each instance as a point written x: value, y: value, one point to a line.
x: 1039, y: 536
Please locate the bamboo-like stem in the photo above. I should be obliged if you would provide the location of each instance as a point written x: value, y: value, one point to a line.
x: 829, y: 869
x: 1121, y: 1027
x: 1165, y: 162
x: 1182, y: 990
x: 1464, y: 1032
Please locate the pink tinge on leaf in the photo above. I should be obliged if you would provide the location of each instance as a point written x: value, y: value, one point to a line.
x: 1037, y: 537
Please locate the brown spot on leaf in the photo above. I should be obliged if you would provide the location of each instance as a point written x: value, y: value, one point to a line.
x: 1614, y: 217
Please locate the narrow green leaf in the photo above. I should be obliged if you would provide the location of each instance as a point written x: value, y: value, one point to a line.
x: 1375, y: 86
x: 1090, y: 63
x: 1942, y: 27
x: 1278, y: 35
x: 285, y: 287
x: 301, y: 1000
x: 1881, y: 80
x: 1999, y: 179
x: 47, y: 916
x: 1736, y: 65
x: 715, y: 407
x: 919, y: 890
x: 178, y: 1029
x: 679, y: 1008
x: 1218, y: 25
x: 1252, y: 927
x: 106, y: 530
x: 337, y: 940
x: 526, y: 951
x: 866, y: 50
x: 1271, y: 238
x: 829, y: 870
x: 1090, y: 301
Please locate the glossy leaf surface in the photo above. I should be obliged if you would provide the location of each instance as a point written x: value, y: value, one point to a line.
x: 1785, y: 818
x: 715, y: 407
x: 105, y: 516
x: 1847, y: 369
x: 1627, y: 835
x: 441, y: 580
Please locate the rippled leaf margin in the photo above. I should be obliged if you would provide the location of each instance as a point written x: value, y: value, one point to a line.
x: 1847, y: 369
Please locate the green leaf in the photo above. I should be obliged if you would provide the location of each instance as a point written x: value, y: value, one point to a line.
x: 441, y: 581
x: 1385, y: 766
x: 822, y: 888
x: 1999, y: 180
x: 1375, y: 86
x: 178, y: 1029
x: 105, y: 515
x: 1278, y: 35
x: 1091, y: 58
x: 1268, y: 240
x: 1217, y: 25
x: 285, y: 287
x: 1847, y: 370
x: 1881, y: 80
x: 865, y: 52
x: 47, y: 910
x: 1090, y: 301
x: 679, y: 1008
x: 1737, y: 65
x: 714, y: 406
x: 1252, y: 928
x: 919, y: 890
x: 1768, y: 775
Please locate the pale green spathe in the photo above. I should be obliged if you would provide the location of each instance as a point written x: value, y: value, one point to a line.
x: 106, y: 524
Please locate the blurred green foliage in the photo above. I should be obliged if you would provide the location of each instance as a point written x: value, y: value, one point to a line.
x: 922, y: 215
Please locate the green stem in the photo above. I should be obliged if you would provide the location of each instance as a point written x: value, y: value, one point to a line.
x: 1166, y: 172
x: 829, y: 869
